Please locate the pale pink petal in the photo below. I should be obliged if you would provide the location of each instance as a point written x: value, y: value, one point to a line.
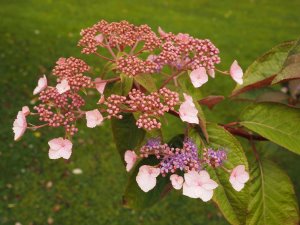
x: 177, y: 181
x: 161, y: 32
x: 205, y: 194
x: 188, y: 98
x: 65, y: 153
x: 101, y: 100
x: 25, y: 110
x: 239, y: 169
x: 54, y: 154
x: 130, y: 158
x: 56, y: 143
x: 42, y: 84
x: 99, y: 38
x: 191, y: 178
x: 236, y: 72
x: 100, y: 86
x: 237, y: 185
x: 146, y: 177
x: 93, y: 118
x: 198, y: 77
x: 191, y: 191
x: 243, y: 177
x: 63, y: 86
x: 187, y: 111
x: 19, y: 125
x: 60, y: 148
x: 239, y: 177
x: 204, y: 176
x: 210, y: 185
x: 211, y: 73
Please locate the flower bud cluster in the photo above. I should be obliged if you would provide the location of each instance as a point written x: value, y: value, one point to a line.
x: 117, y: 35
x: 183, y: 51
x: 214, y: 158
x: 72, y: 69
x: 132, y: 65
x: 150, y: 106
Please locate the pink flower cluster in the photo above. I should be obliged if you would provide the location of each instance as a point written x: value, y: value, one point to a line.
x: 135, y: 50
x: 117, y: 35
x: 196, y: 182
x: 150, y: 106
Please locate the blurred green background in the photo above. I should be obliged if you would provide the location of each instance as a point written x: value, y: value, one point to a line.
x: 34, y: 34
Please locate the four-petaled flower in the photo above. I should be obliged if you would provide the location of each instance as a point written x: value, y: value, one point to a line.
x: 177, y: 181
x: 146, y: 178
x: 187, y: 110
x: 198, y: 77
x: 19, y: 126
x: 100, y: 85
x: 130, y: 158
x: 93, y: 118
x: 42, y: 84
x: 63, y: 86
x: 60, y: 148
x: 198, y: 185
x: 239, y: 176
x: 25, y: 110
x: 236, y: 72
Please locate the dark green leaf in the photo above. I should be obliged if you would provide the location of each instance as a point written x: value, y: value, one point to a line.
x: 291, y: 67
x: 126, y: 134
x: 276, y: 122
x: 273, y: 199
x: 263, y: 70
x: 232, y: 204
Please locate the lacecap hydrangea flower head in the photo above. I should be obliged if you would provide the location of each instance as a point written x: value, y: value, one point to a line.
x: 142, y: 78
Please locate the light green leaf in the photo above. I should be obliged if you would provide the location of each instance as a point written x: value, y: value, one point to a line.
x: 147, y: 81
x: 273, y: 199
x: 276, y: 122
x: 263, y: 70
x: 232, y: 204
x: 291, y: 67
x: 126, y: 83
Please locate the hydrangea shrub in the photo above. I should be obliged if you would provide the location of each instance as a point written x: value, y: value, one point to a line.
x: 151, y: 76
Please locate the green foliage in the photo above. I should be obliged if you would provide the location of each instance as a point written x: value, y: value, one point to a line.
x: 272, y: 196
x: 291, y: 67
x: 126, y: 84
x: 127, y: 136
x: 263, y: 70
x: 232, y: 204
x: 147, y: 81
x: 276, y: 122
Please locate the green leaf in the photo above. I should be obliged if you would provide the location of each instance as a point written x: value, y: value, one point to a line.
x: 126, y: 84
x: 134, y: 197
x: 126, y: 134
x: 147, y: 81
x: 276, y: 122
x: 291, y: 67
x: 263, y: 70
x: 273, y: 199
x: 232, y: 204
